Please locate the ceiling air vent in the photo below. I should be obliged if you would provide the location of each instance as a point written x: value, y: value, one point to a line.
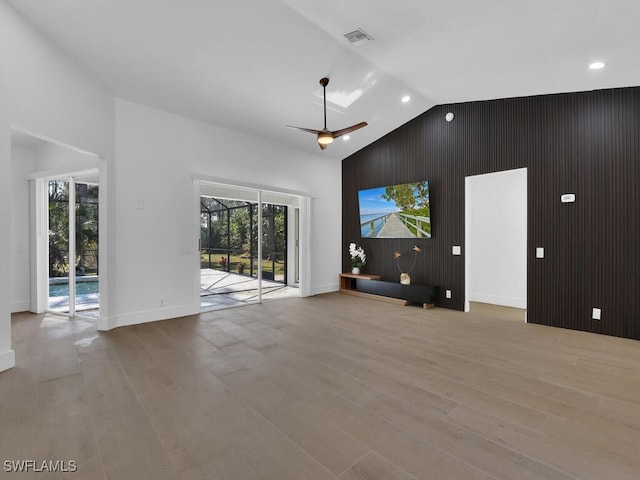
x: 358, y: 37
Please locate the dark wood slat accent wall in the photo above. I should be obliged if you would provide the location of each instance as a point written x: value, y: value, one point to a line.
x: 585, y: 143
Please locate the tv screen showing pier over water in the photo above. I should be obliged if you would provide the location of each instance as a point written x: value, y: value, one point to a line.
x: 395, y: 211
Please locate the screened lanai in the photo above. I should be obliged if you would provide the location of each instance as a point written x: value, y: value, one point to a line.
x: 229, y: 251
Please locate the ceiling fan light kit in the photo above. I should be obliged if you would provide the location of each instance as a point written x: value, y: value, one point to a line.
x: 325, y: 136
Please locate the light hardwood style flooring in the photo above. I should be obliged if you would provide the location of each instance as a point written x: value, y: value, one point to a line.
x: 327, y: 387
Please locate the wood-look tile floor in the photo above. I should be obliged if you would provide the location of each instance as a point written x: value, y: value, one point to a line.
x: 327, y: 387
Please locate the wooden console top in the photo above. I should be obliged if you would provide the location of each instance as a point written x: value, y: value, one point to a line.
x: 362, y: 275
x: 348, y: 282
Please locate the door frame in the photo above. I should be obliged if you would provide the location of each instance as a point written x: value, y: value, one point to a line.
x: 40, y: 240
x: 470, y: 246
x: 304, y: 230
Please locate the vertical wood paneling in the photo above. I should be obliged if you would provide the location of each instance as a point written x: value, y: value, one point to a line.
x: 585, y: 143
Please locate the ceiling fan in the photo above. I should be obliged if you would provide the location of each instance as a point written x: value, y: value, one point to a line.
x: 325, y: 136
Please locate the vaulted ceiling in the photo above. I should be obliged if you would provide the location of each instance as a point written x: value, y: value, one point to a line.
x: 254, y: 65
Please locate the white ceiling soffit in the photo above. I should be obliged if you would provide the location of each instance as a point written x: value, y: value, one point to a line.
x: 24, y: 140
x: 254, y: 65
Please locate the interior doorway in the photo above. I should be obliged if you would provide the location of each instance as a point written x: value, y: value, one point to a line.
x: 249, y: 246
x: 56, y: 222
x: 496, y: 239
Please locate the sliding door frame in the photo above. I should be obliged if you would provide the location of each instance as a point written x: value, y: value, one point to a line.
x: 304, y: 203
x: 40, y: 244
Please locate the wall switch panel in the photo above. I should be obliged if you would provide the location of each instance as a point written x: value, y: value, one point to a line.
x: 448, y: 293
x: 540, y: 252
x: 596, y: 314
x: 456, y: 250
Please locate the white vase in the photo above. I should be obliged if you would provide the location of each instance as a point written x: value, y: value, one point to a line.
x: 355, y: 271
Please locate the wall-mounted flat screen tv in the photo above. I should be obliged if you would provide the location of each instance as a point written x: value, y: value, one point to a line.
x: 396, y: 211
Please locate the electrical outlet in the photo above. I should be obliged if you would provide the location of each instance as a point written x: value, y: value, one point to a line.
x: 448, y: 293
x: 596, y: 313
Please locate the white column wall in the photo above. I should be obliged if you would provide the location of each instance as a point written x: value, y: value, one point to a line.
x: 22, y: 164
x: 7, y: 355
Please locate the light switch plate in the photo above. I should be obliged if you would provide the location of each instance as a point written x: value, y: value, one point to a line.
x: 596, y: 314
x: 448, y: 294
x: 456, y: 250
x: 540, y: 252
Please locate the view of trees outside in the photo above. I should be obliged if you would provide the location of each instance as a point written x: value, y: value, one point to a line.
x: 86, y: 261
x: 58, y: 229
x: 229, y: 237
x: 411, y: 198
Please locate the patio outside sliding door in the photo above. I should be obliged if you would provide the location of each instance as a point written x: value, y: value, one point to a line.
x: 244, y: 246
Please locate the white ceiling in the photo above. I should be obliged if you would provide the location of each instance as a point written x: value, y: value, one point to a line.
x: 254, y: 65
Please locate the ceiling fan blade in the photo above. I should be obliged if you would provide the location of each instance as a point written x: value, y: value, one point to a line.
x: 325, y: 136
x: 344, y: 131
x: 310, y: 130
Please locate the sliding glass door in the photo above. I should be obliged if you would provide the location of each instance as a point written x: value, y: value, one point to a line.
x: 274, y: 245
x: 73, y: 247
x: 87, y: 300
x: 243, y: 247
x: 60, y: 288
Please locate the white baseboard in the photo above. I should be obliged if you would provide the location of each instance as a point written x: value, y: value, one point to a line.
x: 7, y: 360
x: 498, y: 300
x: 320, y: 289
x: 145, y: 316
x: 104, y: 324
x: 20, y: 306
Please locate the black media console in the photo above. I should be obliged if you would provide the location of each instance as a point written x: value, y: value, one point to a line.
x: 423, y: 294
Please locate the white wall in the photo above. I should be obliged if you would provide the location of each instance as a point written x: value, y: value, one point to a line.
x: 7, y: 355
x: 43, y: 92
x: 157, y: 155
x: 496, y: 238
x: 22, y: 164
x: 52, y: 159
x: 49, y: 94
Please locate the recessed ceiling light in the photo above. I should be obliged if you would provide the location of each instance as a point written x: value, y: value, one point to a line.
x: 406, y: 98
x: 597, y: 65
x: 346, y: 137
